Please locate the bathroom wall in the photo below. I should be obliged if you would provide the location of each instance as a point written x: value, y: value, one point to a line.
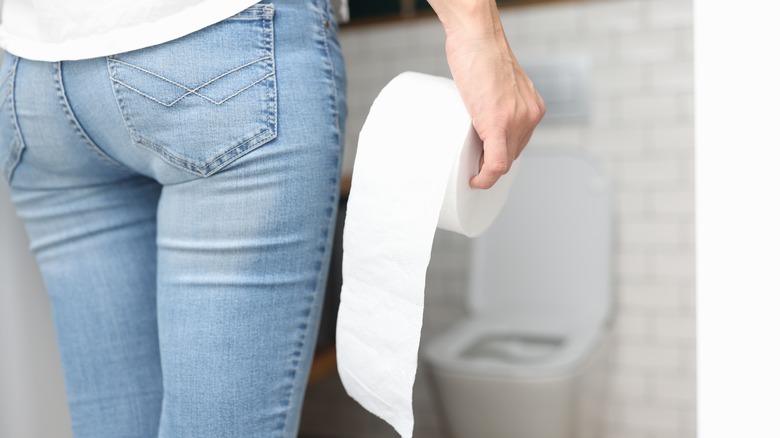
x: 31, y: 382
x: 641, y: 127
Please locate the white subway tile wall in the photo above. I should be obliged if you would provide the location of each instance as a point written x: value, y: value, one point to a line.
x: 641, y: 127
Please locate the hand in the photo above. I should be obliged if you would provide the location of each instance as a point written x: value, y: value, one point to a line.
x: 498, y: 95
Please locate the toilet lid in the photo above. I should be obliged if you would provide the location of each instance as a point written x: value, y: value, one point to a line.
x: 548, y: 252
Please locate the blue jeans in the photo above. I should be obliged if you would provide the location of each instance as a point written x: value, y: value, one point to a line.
x: 180, y: 201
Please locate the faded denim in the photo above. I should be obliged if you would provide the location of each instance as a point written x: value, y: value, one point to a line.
x: 180, y: 202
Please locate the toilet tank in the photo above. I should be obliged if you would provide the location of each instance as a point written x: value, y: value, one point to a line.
x: 549, y: 251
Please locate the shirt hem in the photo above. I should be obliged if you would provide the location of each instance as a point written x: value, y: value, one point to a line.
x: 126, y: 39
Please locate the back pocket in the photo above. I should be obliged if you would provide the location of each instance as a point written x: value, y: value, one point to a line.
x: 203, y: 100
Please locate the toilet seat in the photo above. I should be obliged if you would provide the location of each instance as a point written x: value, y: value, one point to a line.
x: 556, y: 348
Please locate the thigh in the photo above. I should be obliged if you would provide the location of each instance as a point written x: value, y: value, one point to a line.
x: 243, y: 254
x: 91, y: 224
x: 96, y: 253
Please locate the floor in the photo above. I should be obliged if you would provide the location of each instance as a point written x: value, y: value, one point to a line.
x: 328, y: 412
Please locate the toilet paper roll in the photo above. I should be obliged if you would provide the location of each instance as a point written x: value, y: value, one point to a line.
x: 416, y: 154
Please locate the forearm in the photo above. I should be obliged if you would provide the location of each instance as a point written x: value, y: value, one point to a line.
x: 468, y: 18
x: 504, y: 106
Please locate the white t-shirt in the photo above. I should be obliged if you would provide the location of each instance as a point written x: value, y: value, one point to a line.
x: 57, y: 30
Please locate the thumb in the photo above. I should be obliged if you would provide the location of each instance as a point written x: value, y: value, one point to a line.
x: 496, y: 162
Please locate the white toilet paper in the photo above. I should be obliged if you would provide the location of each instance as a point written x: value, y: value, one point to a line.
x: 416, y: 154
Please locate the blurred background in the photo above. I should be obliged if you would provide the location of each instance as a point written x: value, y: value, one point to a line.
x: 617, y: 76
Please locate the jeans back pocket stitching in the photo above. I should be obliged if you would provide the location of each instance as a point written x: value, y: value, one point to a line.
x: 199, y: 170
x: 189, y: 90
x: 183, y: 163
x: 243, y: 89
x: 193, y: 92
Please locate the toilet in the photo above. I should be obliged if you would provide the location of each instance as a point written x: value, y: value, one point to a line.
x: 529, y: 360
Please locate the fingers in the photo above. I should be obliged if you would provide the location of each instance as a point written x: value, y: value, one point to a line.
x: 497, y: 150
x: 496, y: 162
x: 489, y: 174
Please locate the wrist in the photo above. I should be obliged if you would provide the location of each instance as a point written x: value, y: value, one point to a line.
x: 468, y: 19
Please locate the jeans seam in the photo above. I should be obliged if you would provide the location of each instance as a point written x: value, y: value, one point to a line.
x: 327, y: 235
x: 329, y: 229
x: 332, y: 68
x: 11, y: 166
x: 118, y: 105
x: 270, y: 36
x: 74, y: 123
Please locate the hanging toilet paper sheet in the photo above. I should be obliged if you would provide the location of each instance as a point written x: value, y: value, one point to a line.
x: 416, y: 154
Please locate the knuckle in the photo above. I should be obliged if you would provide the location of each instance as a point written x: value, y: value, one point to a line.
x: 535, y: 113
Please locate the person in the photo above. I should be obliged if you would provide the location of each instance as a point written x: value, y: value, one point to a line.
x: 176, y: 167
